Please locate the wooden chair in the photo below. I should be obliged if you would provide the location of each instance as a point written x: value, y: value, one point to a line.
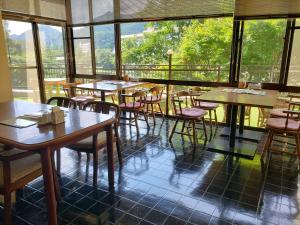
x: 208, y: 106
x: 135, y: 107
x: 279, y: 112
x: 17, y: 168
x: 288, y: 126
x: 153, y: 100
x: 94, y: 144
x: 79, y: 96
x: 62, y: 102
x: 187, y: 114
x: 67, y: 103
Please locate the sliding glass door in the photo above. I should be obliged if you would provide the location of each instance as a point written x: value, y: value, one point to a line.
x: 53, y: 59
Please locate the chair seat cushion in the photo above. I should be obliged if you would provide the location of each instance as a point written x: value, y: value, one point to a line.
x: 131, y: 105
x: 279, y: 113
x: 21, y: 167
x: 208, y: 105
x: 87, y: 143
x: 280, y: 123
x: 193, y: 112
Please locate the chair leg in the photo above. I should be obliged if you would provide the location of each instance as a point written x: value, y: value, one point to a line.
x: 58, y: 162
x: 7, y: 209
x: 161, y: 112
x: 136, y: 123
x: 204, y: 128
x: 146, y: 119
x: 267, y: 144
x: 298, y: 147
x: 79, y: 155
x: 194, y: 133
x: 173, y: 130
x: 216, y: 117
x: 95, y: 167
x: 119, y: 151
x: 113, y: 99
x: 153, y: 114
x: 210, y: 122
x: 183, y: 126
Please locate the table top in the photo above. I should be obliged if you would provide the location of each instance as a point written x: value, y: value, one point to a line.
x: 220, y: 96
x: 78, y: 125
x: 110, y: 85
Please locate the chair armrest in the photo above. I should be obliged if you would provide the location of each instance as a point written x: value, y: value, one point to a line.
x: 294, y: 103
x: 14, y: 154
x: 292, y: 112
x: 177, y: 100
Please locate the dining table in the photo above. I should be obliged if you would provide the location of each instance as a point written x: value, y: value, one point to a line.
x: 45, y: 139
x: 110, y: 86
x: 234, y: 139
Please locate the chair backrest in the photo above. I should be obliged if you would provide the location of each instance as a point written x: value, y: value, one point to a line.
x: 157, y: 91
x: 62, y: 102
x: 177, y: 101
x: 103, y: 107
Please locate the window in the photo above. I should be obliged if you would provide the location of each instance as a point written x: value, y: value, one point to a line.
x: 82, y: 47
x: 294, y: 70
x: 22, y: 60
x: 263, y: 43
x: 53, y: 59
x: 200, y: 49
x: 105, y: 49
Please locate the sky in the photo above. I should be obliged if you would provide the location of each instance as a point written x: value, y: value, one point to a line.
x: 20, y: 27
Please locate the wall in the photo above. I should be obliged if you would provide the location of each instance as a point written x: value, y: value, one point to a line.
x: 5, y: 77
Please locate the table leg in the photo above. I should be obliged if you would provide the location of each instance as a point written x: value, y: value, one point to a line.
x: 103, y: 96
x: 242, y: 119
x: 233, y: 121
x: 110, y: 155
x: 49, y: 185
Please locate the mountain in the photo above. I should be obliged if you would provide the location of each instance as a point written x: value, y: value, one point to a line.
x: 104, y: 35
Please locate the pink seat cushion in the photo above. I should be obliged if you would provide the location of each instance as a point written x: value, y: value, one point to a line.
x: 208, y: 105
x: 279, y: 123
x: 279, y: 113
x: 193, y: 112
x: 132, y: 105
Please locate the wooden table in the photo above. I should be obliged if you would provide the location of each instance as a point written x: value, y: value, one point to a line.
x: 57, y: 82
x: 240, y: 144
x: 109, y: 86
x: 45, y: 139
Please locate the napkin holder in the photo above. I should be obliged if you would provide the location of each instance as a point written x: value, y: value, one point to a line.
x: 57, y: 115
x: 254, y: 86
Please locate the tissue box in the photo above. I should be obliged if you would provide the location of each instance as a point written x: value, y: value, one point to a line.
x: 58, y: 117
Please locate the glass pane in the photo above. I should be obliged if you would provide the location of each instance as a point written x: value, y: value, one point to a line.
x: 80, y: 11
x: 79, y: 32
x: 25, y: 84
x: 53, y: 57
x: 46, y: 8
x: 103, y: 10
x: 105, y: 49
x: 294, y: 71
x: 263, y: 43
x: 21, y: 55
x: 199, y: 49
x: 20, y: 45
x: 83, y: 56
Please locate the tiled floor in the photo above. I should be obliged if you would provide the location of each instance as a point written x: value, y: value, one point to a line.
x: 168, y: 184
